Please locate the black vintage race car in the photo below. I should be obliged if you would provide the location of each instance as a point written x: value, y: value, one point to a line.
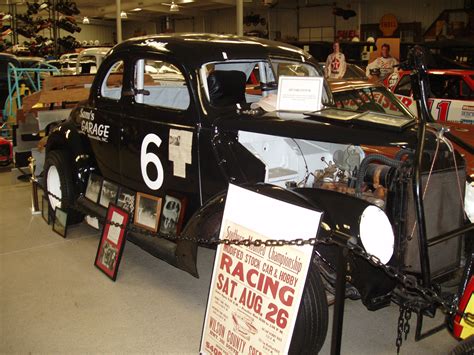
x: 179, y: 121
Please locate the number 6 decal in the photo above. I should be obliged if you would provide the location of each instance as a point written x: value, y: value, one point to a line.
x: 151, y: 158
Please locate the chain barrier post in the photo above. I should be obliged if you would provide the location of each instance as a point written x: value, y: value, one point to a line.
x: 338, y: 317
x: 34, y: 186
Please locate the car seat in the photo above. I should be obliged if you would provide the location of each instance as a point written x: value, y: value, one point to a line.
x: 226, y: 87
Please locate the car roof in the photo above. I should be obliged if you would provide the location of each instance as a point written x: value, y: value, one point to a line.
x: 7, y: 56
x: 343, y: 84
x: 195, y: 49
x: 30, y: 59
x: 94, y: 51
x: 446, y: 72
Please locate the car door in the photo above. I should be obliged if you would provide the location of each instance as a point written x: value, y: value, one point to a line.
x: 159, y: 137
x: 102, y: 121
x: 450, y: 98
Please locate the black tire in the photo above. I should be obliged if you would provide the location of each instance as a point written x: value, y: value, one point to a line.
x: 58, y: 181
x: 312, y: 320
x: 466, y: 347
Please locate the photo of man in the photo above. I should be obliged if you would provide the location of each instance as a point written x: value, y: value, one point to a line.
x: 382, y: 66
x: 335, y: 63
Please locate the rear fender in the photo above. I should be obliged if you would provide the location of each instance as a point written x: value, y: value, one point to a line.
x: 66, y: 137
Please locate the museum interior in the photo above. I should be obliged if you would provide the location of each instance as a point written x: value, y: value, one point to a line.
x: 237, y: 177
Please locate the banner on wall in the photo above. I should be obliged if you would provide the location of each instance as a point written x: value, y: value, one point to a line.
x: 255, y: 291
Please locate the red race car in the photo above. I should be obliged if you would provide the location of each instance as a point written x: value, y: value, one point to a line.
x: 451, y: 93
x: 6, y: 152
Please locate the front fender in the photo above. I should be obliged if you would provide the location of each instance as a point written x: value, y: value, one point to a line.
x: 340, y: 212
x: 66, y: 137
x: 343, y: 213
x: 206, y: 222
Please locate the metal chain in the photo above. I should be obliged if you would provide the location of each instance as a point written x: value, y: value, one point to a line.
x: 399, y: 340
x: 406, y: 328
x: 407, y: 281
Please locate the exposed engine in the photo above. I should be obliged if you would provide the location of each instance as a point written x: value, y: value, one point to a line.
x: 303, y: 163
x: 381, y: 181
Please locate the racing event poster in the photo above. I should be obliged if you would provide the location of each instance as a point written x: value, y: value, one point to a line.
x: 255, y: 291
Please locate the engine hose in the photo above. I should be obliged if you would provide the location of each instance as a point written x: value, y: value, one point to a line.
x: 402, y: 152
x: 367, y: 160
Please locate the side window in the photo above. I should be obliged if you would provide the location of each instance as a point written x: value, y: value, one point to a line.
x: 445, y: 86
x: 466, y: 92
x: 160, y: 84
x: 404, y: 86
x: 88, y: 65
x: 112, y: 84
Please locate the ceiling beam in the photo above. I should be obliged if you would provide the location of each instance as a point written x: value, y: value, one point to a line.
x: 224, y: 2
x: 161, y: 10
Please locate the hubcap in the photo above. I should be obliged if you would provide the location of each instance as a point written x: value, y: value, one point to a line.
x: 53, y: 184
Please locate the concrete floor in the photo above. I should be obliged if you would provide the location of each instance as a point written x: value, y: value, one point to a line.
x: 53, y: 299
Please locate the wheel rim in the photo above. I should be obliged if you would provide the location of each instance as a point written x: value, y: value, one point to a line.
x: 54, y: 187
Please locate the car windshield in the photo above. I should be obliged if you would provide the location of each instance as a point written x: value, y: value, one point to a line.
x: 375, y: 99
x: 248, y: 81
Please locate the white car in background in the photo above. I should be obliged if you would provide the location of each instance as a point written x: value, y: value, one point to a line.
x: 89, y: 60
x: 68, y: 57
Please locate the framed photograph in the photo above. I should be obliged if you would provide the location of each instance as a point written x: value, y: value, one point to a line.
x: 60, y: 222
x: 93, y: 187
x: 112, y: 242
x: 108, y: 193
x: 147, y: 211
x: 45, y: 209
x: 174, y: 208
x: 126, y: 200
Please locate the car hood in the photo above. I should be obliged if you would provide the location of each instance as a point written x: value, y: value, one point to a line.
x: 466, y: 133
x: 301, y: 126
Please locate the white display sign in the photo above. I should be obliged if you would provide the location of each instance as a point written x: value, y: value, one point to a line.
x: 255, y: 291
x: 301, y: 94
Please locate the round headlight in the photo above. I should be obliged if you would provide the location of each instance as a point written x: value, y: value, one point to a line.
x: 469, y: 201
x: 376, y: 233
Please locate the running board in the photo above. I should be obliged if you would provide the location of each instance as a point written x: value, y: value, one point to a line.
x: 182, y: 254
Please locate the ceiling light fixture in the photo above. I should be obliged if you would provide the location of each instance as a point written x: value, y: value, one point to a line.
x: 174, y: 7
x: 123, y: 14
x: 85, y: 20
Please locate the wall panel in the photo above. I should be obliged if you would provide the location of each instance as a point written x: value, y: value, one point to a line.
x: 133, y: 28
x: 94, y: 32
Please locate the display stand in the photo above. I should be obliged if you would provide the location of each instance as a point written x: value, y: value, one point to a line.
x: 34, y: 197
x: 34, y: 187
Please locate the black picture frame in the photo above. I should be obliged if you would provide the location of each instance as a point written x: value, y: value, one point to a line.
x: 172, y: 213
x: 112, y: 242
x: 60, y: 222
x: 108, y: 193
x: 94, y: 187
x: 46, y: 209
x: 126, y: 200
